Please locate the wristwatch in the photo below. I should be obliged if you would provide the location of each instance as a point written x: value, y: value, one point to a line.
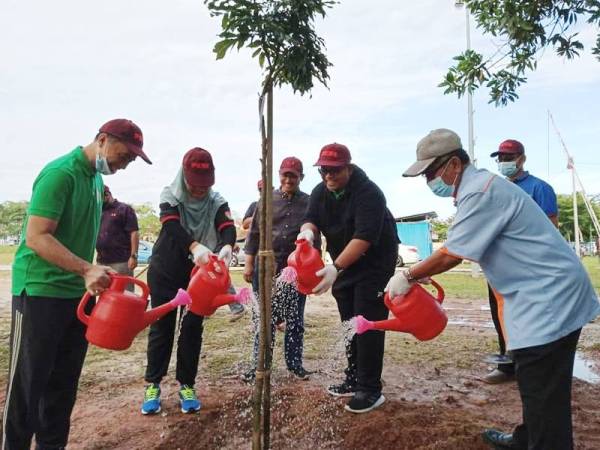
x: 133, y: 255
x: 408, y: 275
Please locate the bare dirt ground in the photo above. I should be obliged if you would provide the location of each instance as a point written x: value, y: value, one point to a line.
x: 435, y: 399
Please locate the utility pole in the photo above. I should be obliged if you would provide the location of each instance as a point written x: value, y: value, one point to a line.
x: 471, y: 138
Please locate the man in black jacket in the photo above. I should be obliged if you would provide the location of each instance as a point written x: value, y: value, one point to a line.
x: 350, y: 210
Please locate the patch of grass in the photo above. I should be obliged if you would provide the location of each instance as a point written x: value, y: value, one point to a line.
x: 592, y: 265
x: 462, y: 285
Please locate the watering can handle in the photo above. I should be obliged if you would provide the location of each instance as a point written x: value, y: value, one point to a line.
x: 440, y: 291
x: 117, y: 277
x: 81, y: 315
x: 212, y: 258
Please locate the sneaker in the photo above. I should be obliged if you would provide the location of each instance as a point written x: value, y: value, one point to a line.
x: 238, y: 314
x: 345, y: 389
x: 363, y: 402
x: 301, y: 373
x: 189, y: 401
x: 249, y: 376
x: 496, y: 376
x: 151, y: 403
x: 500, y: 441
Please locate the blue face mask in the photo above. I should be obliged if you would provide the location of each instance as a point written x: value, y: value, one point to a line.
x: 439, y: 187
x: 508, y: 168
x: 102, y: 165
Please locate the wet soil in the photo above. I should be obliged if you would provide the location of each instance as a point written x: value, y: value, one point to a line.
x: 435, y: 397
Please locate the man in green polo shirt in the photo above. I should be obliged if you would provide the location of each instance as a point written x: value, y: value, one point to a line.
x: 52, y: 270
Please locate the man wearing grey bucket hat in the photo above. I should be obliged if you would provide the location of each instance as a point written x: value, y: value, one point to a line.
x: 544, y: 293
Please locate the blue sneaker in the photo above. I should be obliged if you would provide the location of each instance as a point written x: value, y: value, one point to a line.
x: 151, y: 403
x: 188, y: 399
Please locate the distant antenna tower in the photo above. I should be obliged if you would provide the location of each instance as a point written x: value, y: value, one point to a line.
x: 576, y: 181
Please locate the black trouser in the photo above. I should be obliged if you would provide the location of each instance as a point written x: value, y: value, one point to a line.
x: 162, y: 334
x: 47, y: 350
x: 506, y: 368
x: 544, y: 375
x: 365, y: 351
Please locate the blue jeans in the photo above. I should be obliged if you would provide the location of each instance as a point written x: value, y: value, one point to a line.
x: 287, y: 304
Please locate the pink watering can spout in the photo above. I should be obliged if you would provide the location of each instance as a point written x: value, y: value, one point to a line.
x: 182, y: 298
x: 361, y: 325
x: 244, y: 296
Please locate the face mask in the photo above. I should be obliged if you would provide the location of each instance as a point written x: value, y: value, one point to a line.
x: 508, y: 168
x: 102, y: 165
x: 439, y: 187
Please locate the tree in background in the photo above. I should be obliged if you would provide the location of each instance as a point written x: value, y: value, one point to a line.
x: 525, y: 29
x: 148, y: 221
x: 440, y: 228
x: 565, y: 218
x: 280, y: 33
x: 12, y: 215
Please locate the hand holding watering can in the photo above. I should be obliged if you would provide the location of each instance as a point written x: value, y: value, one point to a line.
x: 119, y: 316
x: 415, y: 310
x: 209, y: 285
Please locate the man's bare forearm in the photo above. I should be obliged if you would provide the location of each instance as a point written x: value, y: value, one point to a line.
x: 50, y: 249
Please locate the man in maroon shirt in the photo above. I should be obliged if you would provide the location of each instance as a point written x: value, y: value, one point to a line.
x: 118, y: 238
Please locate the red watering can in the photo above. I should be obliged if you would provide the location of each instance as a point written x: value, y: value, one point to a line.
x: 417, y: 312
x: 208, y: 288
x: 305, y: 260
x: 119, y: 315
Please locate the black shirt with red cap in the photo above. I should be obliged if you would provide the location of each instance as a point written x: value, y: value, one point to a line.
x: 359, y: 213
x: 171, y: 258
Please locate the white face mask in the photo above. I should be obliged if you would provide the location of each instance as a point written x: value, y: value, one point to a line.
x: 508, y: 168
x: 102, y: 165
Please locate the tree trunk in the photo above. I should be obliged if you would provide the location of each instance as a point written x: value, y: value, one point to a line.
x: 261, y: 401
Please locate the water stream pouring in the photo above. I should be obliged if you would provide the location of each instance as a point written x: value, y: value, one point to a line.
x: 119, y: 315
x: 305, y: 261
x: 208, y: 288
x: 417, y: 312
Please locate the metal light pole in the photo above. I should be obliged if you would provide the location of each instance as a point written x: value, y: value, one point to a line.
x: 471, y: 138
x: 471, y: 141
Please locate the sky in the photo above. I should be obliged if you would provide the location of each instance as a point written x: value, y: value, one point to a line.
x: 69, y: 66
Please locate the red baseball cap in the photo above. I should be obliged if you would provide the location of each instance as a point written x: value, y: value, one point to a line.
x: 198, y: 168
x: 334, y: 155
x: 128, y: 133
x: 510, y: 146
x: 293, y: 165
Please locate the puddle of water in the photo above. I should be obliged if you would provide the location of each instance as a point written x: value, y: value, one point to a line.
x: 582, y: 369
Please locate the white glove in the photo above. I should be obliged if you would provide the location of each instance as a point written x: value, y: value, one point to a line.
x: 226, y: 254
x: 398, y: 284
x: 201, y: 254
x: 306, y: 234
x: 329, y: 274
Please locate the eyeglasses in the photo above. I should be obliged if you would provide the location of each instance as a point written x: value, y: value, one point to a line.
x: 506, y: 157
x: 429, y: 173
x: 330, y: 170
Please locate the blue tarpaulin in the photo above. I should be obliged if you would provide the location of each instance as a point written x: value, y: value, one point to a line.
x: 417, y: 234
